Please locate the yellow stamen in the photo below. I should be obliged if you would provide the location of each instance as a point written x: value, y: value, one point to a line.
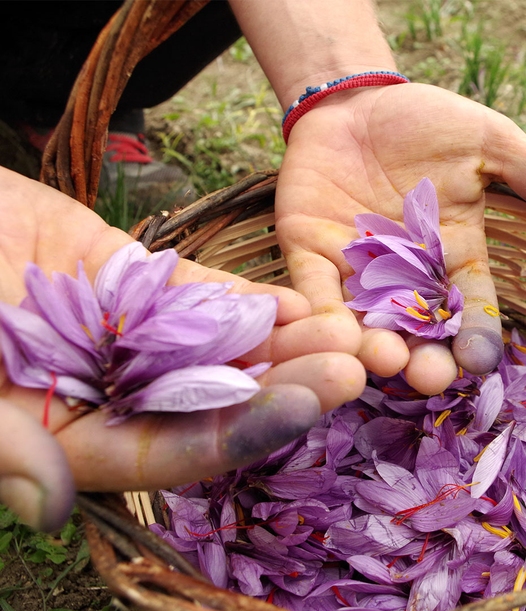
x: 502, y: 532
x: 485, y: 574
x: 442, y: 417
x: 491, y: 310
x: 416, y: 314
x: 121, y: 324
x: 460, y: 373
x: 420, y: 300
x: 444, y: 313
x: 421, y: 245
x: 520, y: 580
x: 301, y: 520
x: 87, y: 332
x: 463, y: 394
x: 519, y: 348
x: 479, y: 455
x: 516, y: 503
x: 463, y: 431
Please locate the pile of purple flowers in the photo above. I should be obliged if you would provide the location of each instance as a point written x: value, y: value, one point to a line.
x: 396, y: 500
x: 133, y: 343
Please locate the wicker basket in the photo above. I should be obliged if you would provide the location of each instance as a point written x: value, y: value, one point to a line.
x: 227, y: 229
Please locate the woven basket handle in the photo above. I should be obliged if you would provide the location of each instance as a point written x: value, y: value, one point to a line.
x: 72, y: 160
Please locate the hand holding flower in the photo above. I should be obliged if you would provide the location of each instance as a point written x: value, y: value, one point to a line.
x: 362, y: 152
x: 38, y: 465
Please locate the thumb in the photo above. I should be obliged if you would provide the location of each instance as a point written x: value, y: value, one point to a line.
x: 35, y: 480
x: 155, y: 451
x: 478, y: 346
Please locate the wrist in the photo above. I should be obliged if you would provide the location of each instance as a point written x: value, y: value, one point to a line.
x: 305, y: 43
x: 311, y: 78
x: 319, y: 93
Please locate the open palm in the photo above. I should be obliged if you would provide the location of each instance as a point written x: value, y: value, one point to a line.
x: 362, y: 151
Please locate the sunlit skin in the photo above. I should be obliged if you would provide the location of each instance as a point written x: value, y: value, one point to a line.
x: 149, y: 451
x: 363, y: 151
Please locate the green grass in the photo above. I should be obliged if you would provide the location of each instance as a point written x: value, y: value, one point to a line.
x: 38, y: 552
x: 460, y: 51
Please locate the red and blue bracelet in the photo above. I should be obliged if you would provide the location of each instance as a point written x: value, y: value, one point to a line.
x: 313, y: 95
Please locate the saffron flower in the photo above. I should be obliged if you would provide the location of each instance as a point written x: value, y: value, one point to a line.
x: 131, y: 343
x: 376, y: 507
x: 400, y: 278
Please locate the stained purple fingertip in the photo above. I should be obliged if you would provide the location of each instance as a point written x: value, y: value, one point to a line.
x: 478, y: 350
x: 270, y: 420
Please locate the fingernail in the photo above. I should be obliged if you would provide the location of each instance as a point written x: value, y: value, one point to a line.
x: 478, y: 350
x: 270, y: 420
x: 26, y: 498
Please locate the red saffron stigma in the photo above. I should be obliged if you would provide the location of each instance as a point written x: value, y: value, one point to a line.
x: 47, y: 402
x: 294, y: 574
x: 369, y: 234
x: 233, y: 525
x: 270, y: 597
x: 392, y: 563
x: 183, y: 492
x: 104, y: 322
x: 445, y: 491
x: 339, y: 596
x: 319, y: 461
x: 240, y: 364
x: 363, y: 415
x: 424, y: 547
x: 319, y: 536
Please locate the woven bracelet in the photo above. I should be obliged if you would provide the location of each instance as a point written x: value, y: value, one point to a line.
x: 313, y: 95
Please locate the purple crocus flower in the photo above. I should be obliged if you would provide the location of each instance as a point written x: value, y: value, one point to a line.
x: 400, y: 278
x: 395, y: 500
x: 132, y: 343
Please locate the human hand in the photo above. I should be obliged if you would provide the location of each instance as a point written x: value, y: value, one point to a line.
x: 40, y: 467
x: 362, y: 151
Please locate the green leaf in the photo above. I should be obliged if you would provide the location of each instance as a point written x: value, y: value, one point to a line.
x: 45, y: 572
x: 83, y: 556
x: 38, y: 556
x: 68, y: 532
x: 5, y: 540
x: 7, y: 517
x: 56, y: 553
x: 5, y: 606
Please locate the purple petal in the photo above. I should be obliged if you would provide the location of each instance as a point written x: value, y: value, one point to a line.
x: 170, y: 330
x: 187, y: 296
x: 187, y: 390
x: 31, y: 345
x: 53, y: 302
x: 130, y: 272
x: 296, y: 484
x: 213, y: 563
x: 393, y: 271
x: 376, y: 224
x: 393, y: 440
x: 489, y: 403
x: 371, y: 568
x: 490, y: 463
x: 368, y: 534
x: 421, y: 218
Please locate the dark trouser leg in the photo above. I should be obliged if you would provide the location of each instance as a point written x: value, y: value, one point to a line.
x: 44, y: 44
